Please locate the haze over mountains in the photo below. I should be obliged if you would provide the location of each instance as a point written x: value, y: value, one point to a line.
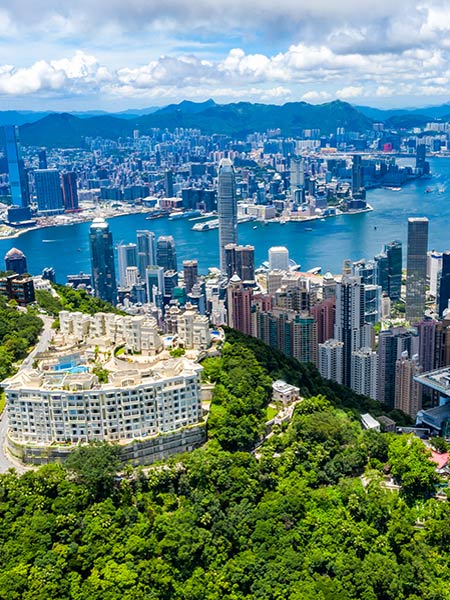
x: 238, y: 119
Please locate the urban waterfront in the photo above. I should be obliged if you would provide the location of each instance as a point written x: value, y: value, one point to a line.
x: 332, y: 240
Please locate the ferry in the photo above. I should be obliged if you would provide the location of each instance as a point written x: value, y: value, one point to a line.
x: 157, y: 214
x: 308, y: 228
x: 184, y: 215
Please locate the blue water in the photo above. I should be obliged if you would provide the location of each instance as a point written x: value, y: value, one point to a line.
x: 331, y: 241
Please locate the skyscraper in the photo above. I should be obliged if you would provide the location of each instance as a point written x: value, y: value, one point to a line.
x: 226, y: 208
x: 278, y: 258
x: 168, y: 183
x: 102, y: 261
x: 18, y: 180
x: 444, y: 283
x: 408, y: 394
x: 349, y: 320
x: 190, y: 272
x: 42, y: 158
x: 48, y: 191
x: 127, y: 257
x: 154, y: 281
x: 393, y: 251
x: 364, y: 372
x: 69, y: 189
x: 239, y: 306
x: 391, y: 343
x: 15, y: 261
x: 146, y: 249
x: 357, y: 174
x: 416, y: 267
x: 297, y: 172
x: 240, y: 260
x: 166, y: 256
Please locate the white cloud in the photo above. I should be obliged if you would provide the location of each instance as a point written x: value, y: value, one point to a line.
x: 316, y: 96
x: 349, y: 92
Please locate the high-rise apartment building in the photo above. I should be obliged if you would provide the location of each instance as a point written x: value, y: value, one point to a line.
x: 408, y: 393
x: 349, y: 320
x: 239, y: 303
x: 391, y: 343
x: 18, y: 180
x: 69, y: 190
x: 190, y: 272
x: 166, y: 255
x: 363, y: 378
x: 416, y: 268
x: 102, y: 261
x: 226, y: 209
x: 127, y: 257
x: 48, y: 191
x: 331, y: 356
x: 146, y: 250
x: 278, y: 258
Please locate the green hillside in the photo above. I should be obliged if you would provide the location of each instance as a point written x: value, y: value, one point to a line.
x: 296, y: 523
x: 239, y: 119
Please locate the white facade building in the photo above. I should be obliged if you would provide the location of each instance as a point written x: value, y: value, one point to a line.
x: 364, y: 372
x: 278, y: 258
x: 331, y: 360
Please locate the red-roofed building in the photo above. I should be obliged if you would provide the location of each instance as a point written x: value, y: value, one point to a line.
x: 441, y: 460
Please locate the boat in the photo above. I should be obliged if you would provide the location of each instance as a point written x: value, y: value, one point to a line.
x: 255, y: 227
x: 308, y: 228
x: 184, y: 215
x: 428, y: 190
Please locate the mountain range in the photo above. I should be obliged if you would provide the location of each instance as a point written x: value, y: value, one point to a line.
x: 64, y: 130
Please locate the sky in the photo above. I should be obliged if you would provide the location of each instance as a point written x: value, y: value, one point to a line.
x: 114, y: 54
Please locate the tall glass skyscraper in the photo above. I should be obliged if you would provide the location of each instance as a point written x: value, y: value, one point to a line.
x: 166, y: 255
x: 18, y: 180
x: 127, y: 257
x: 416, y: 268
x: 444, y: 284
x: 227, y: 209
x: 48, y: 191
x: 146, y: 250
x: 102, y: 261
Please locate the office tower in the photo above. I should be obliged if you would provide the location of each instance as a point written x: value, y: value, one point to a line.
x: 132, y: 277
x: 190, y: 272
x: 364, y: 372
x: 48, y: 191
x: 42, y: 158
x: 102, y: 261
x: 324, y: 314
x: 434, y: 268
x: 349, y: 320
x: 331, y: 356
x: 408, y: 395
x: 381, y: 262
x: 278, y: 258
x: 357, y: 174
x: 168, y: 183
x: 69, y: 189
x: 372, y: 304
x: 422, y: 164
x: 15, y: 261
x: 146, y: 250
x: 365, y: 270
x: 170, y: 283
x: 240, y: 260
x: 154, y: 281
x: 239, y: 302
x: 391, y: 343
x: 297, y: 172
x: 226, y: 208
x: 127, y: 257
x: 393, y: 251
x: 416, y: 268
x: 166, y: 255
x: 18, y: 180
x: 444, y: 284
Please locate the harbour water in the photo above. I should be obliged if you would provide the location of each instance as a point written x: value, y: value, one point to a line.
x: 324, y: 243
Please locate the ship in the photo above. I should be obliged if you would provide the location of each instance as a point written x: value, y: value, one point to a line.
x: 157, y: 214
x: 184, y: 215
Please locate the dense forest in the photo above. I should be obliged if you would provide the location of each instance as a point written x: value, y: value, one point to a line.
x: 306, y: 519
x: 72, y: 300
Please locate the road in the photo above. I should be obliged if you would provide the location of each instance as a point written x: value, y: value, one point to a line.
x: 6, y: 460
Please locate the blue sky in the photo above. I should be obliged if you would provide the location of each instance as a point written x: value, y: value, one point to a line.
x: 114, y: 55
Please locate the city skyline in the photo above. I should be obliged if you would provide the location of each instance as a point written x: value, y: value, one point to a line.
x: 376, y: 53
